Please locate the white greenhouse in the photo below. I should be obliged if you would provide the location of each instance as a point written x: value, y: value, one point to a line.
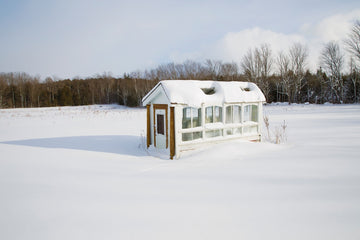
x: 184, y: 114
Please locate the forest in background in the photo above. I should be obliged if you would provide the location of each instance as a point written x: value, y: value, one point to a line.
x: 283, y: 77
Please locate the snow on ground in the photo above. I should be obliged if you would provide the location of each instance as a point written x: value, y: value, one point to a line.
x: 83, y: 173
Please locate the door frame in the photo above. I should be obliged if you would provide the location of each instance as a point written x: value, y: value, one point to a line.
x: 159, y: 107
x: 172, y: 132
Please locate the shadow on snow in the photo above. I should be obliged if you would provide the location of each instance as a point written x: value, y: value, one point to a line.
x: 123, y: 144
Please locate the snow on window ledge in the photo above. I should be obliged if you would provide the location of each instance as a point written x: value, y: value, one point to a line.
x: 250, y: 123
x: 195, y: 129
x: 214, y: 125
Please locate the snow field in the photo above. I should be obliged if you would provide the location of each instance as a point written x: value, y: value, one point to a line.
x: 82, y: 173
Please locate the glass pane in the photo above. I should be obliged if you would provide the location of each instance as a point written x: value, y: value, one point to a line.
x: 209, y: 115
x: 254, y: 113
x: 197, y: 135
x: 253, y: 129
x: 160, y: 124
x: 229, y: 118
x: 246, y: 130
x: 229, y: 132
x: 194, y: 112
x: 186, y: 121
x: 250, y: 130
x: 200, y: 116
x: 187, y: 137
x: 191, y: 136
x: 196, y: 117
x: 213, y: 133
x: 247, y: 113
x: 237, y: 114
x: 217, y: 133
x: 218, y: 114
x: 237, y: 131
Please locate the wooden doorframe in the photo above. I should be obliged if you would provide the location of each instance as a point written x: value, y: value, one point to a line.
x: 148, y: 126
x: 164, y: 107
x: 172, y: 132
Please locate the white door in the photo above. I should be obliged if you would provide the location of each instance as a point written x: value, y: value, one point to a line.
x: 160, y: 128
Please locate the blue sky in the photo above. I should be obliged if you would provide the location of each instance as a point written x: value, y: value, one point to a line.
x: 71, y: 38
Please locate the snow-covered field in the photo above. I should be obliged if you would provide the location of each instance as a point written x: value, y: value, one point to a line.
x: 83, y: 173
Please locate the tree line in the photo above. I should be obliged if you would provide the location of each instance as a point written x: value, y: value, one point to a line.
x: 283, y: 77
x: 19, y: 90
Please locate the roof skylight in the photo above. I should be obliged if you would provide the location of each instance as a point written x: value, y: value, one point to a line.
x: 208, y: 91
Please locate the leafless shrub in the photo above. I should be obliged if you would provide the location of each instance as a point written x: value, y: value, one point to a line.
x: 267, y: 125
x: 142, y: 144
x: 284, y: 126
x: 278, y: 135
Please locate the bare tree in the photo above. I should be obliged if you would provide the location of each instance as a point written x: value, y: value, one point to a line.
x: 33, y: 92
x: 213, y: 69
x: 166, y: 71
x: 140, y: 86
x: 250, y: 66
x: 333, y: 60
x: 354, y: 78
x: 193, y: 70
x: 298, y: 54
x: 266, y: 60
x: 50, y: 87
x: 123, y: 90
x: 106, y: 82
x: 257, y: 65
x: 180, y: 72
x: 3, y: 85
x: 353, y: 41
x: 284, y: 87
x: 229, y: 71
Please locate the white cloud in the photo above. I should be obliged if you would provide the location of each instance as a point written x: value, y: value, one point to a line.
x: 234, y: 45
x: 333, y: 28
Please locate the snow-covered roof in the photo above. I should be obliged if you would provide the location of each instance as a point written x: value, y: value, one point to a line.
x: 195, y: 92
